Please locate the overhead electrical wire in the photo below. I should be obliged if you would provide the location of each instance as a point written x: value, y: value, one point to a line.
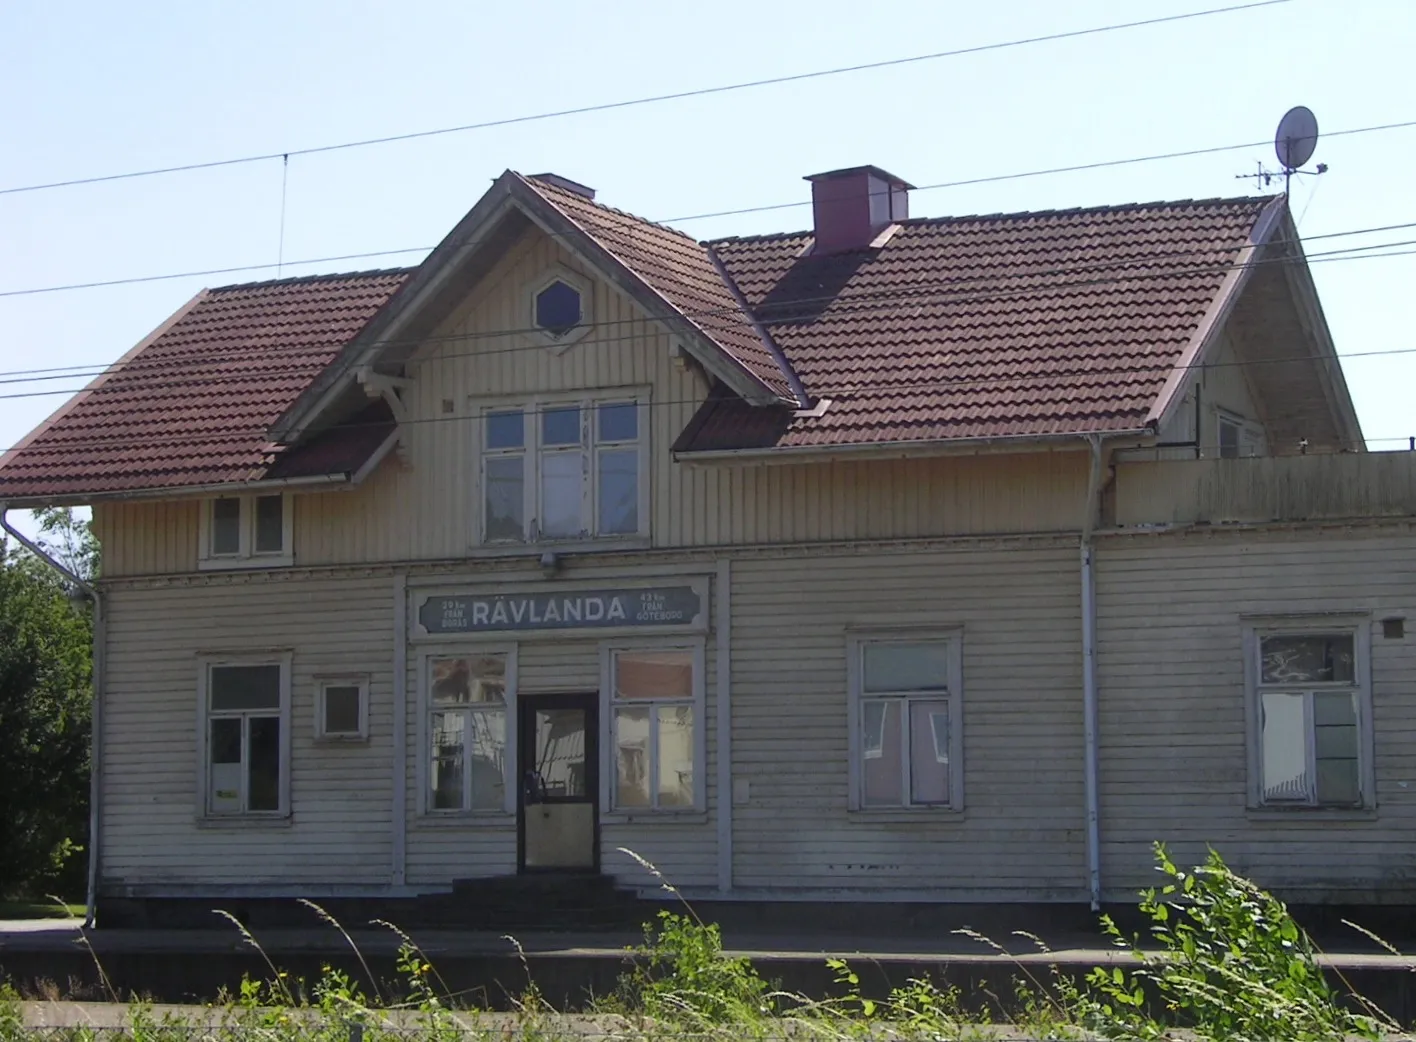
x: 284, y: 154
x: 236, y: 269
x: 937, y: 291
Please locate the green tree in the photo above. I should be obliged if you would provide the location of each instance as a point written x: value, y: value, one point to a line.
x: 45, y: 701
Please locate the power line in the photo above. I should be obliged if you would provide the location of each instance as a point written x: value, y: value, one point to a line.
x: 649, y: 100
x: 949, y: 291
x: 238, y: 269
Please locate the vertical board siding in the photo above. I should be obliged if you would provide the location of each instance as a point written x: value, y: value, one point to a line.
x: 1020, y: 835
x: 147, y: 537
x: 340, y: 793
x: 1173, y: 738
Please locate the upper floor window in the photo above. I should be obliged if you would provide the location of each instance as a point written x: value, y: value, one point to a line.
x: 560, y: 305
x: 563, y: 470
x: 1238, y: 438
x: 1312, y: 707
x: 558, y: 308
x: 245, y: 530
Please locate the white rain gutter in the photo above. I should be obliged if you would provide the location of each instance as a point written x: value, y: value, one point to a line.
x: 1089, y: 689
x: 96, y: 716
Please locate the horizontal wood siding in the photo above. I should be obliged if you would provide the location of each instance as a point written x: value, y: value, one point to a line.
x: 1020, y: 835
x: 1275, y: 488
x: 1173, y: 739
x: 340, y: 794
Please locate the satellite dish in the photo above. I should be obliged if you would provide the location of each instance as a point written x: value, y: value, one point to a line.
x: 1297, y: 137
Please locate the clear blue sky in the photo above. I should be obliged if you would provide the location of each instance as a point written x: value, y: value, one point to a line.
x: 94, y: 88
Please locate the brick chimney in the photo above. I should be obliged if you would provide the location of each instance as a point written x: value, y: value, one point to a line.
x: 851, y: 207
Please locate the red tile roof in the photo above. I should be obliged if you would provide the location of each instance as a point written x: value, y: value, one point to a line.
x: 191, y: 405
x: 1009, y: 325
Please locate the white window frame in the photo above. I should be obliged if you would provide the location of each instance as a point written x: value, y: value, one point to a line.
x: 205, y: 663
x: 246, y: 556
x: 577, y: 282
x: 609, y: 774
x: 425, y: 737
x: 856, y: 644
x: 1359, y: 628
x: 322, y: 685
x: 590, y: 449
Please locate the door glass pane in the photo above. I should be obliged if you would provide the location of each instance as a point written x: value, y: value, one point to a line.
x: 226, y: 526
x: 632, y: 757
x: 882, y: 762
x: 1307, y: 659
x: 270, y: 524
x: 445, y: 763
x: 505, y: 499
x: 560, y: 751
x: 488, y: 759
x: 619, y: 492
x: 224, y: 752
x: 560, y: 493
x: 245, y: 687
x: 654, y: 674
x: 675, y: 756
x: 505, y: 430
x: 929, y: 752
x: 467, y: 678
x: 619, y: 421
x: 263, y: 782
x: 341, y: 709
x: 906, y: 667
x: 561, y: 426
x: 1285, y: 747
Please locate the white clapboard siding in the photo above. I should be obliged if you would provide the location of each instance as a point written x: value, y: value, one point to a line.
x: 1021, y: 833
x: 1173, y: 733
x: 340, y: 794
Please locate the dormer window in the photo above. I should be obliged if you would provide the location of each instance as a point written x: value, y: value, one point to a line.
x: 560, y: 306
x: 564, y: 470
x: 248, y: 531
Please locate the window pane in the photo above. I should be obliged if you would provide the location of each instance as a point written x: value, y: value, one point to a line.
x: 445, y: 764
x: 226, y: 526
x: 468, y: 678
x: 270, y: 524
x: 506, y: 430
x: 1285, y: 747
x: 488, y: 759
x: 560, y: 751
x: 654, y: 674
x: 505, y: 499
x: 675, y: 756
x: 906, y: 667
x: 1228, y: 440
x: 224, y: 752
x: 1337, y: 781
x: 619, y: 421
x: 1307, y: 659
x: 560, y: 493
x: 245, y: 687
x: 561, y: 425
x: 263, y: 783
x: 929, y: 752
x: 341, y: 709
x: 1335, y: 738
x: 558, y: 308
x: 619, y: 492
x: 632, y: 757
x: 880, y: 773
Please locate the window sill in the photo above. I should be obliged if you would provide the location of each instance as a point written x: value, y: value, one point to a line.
x: 341, y: 739
x: 246, y: 821
x: 227, y: 564
x: 464, y: 819
x: 568, y: 546
x: 657, y: 817
x: 907, y: 815
x: 1310, y: 815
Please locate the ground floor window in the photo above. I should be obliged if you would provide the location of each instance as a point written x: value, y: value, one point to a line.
x: 906, y: 740
x: 245, y: 706
x: 1311, y: 706
x: 467, y: 730
x: 656, y: 698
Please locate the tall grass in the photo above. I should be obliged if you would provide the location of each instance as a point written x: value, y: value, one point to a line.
x: 1226, y: 963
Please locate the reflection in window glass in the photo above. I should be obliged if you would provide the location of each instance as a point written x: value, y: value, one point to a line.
x: 270, y: 524
x: 448, y: 745
x: 1285, y: 747
x: 488, y: 759
x: 506, y: 430
x: 675, y: 756
x: 666, y: 674
x: 632, y: 757
x: 561, y: 494
x: 618, y: 421
x: 882, y: 773
x: 560, y: 426
x: 619, y: 492
x: 929, y: 752
x: 226, y: 526
x: 1307, y: 659
x: 505, y: 499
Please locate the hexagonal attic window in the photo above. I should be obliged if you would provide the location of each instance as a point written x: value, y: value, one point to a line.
x: 558, y: 308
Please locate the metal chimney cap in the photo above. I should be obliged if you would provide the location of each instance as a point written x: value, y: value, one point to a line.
x: 884, y: 175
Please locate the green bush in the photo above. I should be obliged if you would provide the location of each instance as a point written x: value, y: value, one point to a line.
x: 680, y: 974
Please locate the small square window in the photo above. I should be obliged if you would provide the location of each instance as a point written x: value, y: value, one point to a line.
x: 561, y: 426
x: 506, y: 430
x: 342, y: 709
x: 619, y: 421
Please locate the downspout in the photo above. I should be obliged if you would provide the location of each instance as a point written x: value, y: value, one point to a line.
x: 96, y: 715
x: 1089, y: 694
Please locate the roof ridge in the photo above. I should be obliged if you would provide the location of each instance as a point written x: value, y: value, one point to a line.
x: 295, y: 280
x: 547, y: 186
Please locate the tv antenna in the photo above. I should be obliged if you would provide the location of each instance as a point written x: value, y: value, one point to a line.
x: 1293, y: 144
